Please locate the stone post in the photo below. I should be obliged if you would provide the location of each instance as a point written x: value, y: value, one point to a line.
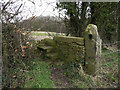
x: 92, y: 49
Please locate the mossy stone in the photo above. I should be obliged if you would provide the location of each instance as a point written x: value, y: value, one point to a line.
x: 49, y: 42
x: 92, y: 49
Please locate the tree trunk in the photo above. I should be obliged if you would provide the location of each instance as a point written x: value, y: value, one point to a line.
x: 83, y: 23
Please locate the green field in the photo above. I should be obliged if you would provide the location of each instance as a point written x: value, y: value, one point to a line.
x: 39, y: 34
x: 46, y: 34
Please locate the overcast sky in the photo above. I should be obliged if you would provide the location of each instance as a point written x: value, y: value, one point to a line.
x: 38, y: 8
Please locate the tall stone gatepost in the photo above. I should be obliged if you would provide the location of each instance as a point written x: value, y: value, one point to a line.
x: 92, y: 49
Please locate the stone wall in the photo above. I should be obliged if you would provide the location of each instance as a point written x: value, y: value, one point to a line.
x: 71, y: 49
x: 82, y: 50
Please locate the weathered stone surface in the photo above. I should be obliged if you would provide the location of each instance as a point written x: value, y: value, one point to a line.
x: 47, y: 48
x: 71, y: 49
x: 49, y: 42
x: 53, y: 56
x: 92, y: 49
x: 76, y: 40
x: 86, y: 51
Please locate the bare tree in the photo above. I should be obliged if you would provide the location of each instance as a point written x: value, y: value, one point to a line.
x: 16, y: 43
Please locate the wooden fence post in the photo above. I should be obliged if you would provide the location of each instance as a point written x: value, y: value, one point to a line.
x: 92, y: 49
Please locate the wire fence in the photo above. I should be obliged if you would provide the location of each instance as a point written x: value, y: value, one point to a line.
x: 112, y: 52
x: 111, y: 55
x: 109, y: 44
x: 112, y: 48
x: 109, y: 58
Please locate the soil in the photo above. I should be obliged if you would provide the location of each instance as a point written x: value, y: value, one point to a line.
x: 59, y: 79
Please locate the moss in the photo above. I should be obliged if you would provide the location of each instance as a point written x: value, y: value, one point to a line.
x: 52, y: 56
x: 77, y: 40
x: 46, y: 44
x: 91, y: 49
x: 71, y: 49
x: 67, y: 49
x: 49, y: 42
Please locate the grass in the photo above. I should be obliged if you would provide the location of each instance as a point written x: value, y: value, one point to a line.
x: 46, y: 34
x: 31, y: 74
x: 38, y: 76
x: 107, y: 77
x: 39, y: 34
x: 77, y: 77
x: 110, y: 67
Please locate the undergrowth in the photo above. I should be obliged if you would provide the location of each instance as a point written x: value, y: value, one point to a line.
x: 29, y: 74
x: 107, y: 76
x: 34, y: 73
